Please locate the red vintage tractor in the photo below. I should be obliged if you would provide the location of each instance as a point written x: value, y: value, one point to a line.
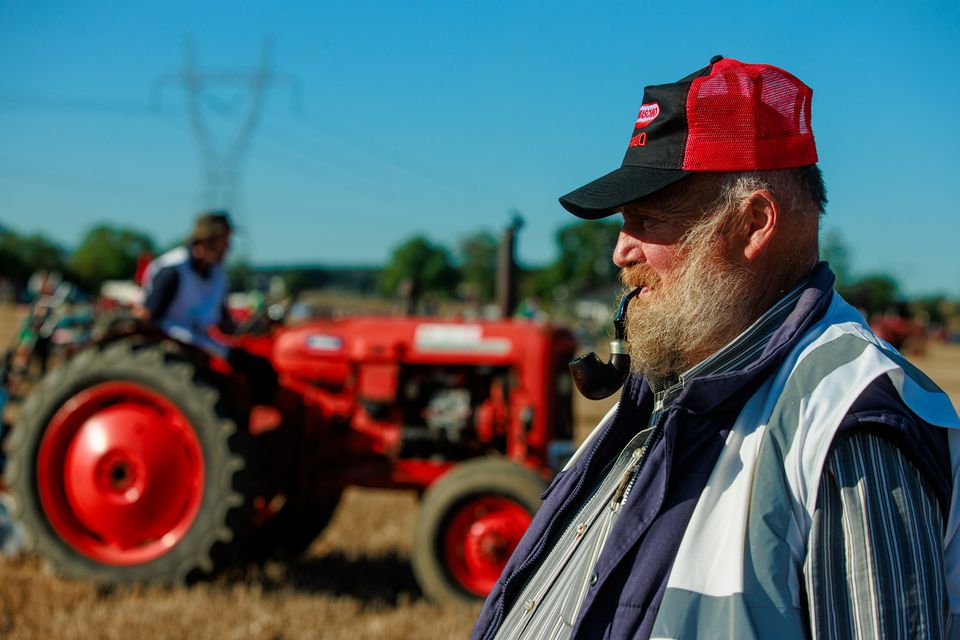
x: 145, y: 460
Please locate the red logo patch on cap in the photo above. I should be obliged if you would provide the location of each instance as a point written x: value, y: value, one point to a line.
x: 648, y: 113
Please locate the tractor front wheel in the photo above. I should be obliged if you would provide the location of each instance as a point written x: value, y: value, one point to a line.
x: 469, y: 523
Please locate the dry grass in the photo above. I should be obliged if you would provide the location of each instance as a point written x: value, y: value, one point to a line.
x: 355, y: 583
x: 10, y: 318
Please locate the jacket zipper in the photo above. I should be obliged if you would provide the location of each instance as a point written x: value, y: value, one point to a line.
x: 637, y: 459
x: 501, y: 605
x: 630, y: 475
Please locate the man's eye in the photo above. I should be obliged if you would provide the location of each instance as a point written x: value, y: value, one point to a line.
x: 642, y: 224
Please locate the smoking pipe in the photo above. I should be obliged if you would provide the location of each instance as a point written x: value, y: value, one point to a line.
x: 597, y: 380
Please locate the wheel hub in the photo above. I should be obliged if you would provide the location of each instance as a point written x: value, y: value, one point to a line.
x: 120, y: 473
x: 481, y: 536
x: 115, y: 473
x: 489, y: 540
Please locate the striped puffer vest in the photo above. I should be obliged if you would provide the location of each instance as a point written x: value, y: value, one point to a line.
x: 738, y: 570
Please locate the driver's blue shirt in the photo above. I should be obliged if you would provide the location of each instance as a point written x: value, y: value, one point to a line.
x: 184, y: 302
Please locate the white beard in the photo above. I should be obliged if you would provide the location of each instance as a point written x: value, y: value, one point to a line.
x: 679, y: 323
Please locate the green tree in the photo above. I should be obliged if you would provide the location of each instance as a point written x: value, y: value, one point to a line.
x: 296, y: 281
x: 11, y: 260
x: 240, y: 273
x: 478, y: 265
x: 874, y: 293
x: 22, y: 255
x: 584, y: 262
x: 936, y: 308
x: 420, y: 266
x: 107, y: 253
x: 834, y: 250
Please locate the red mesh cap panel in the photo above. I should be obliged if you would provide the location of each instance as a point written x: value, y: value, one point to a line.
x: 744, y: 117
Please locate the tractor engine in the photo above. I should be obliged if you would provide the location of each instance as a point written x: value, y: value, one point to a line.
x: 442, y: 406
x: 440, y: 391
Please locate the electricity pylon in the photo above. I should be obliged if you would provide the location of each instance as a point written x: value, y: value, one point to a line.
x: 221, y: 153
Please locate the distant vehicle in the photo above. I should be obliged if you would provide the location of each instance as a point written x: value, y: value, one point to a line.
x: 142, y: 459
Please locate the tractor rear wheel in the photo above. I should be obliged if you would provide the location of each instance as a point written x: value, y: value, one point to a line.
x: 469, y: 523
x: 127, y: 466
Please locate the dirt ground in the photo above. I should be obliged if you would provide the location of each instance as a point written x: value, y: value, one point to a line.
x: 356, y: 581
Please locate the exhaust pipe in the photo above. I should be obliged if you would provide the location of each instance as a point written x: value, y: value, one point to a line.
x: 507, y: 268
x: 597, y: 380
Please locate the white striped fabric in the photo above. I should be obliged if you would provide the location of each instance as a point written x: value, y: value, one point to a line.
x: 875, y: 563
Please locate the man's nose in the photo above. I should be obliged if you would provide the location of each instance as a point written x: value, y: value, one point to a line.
x: 628, y: 251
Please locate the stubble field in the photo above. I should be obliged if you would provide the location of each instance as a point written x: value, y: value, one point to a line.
x: 355, y: 582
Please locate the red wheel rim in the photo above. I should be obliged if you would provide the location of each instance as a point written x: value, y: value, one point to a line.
x: 120, y: 473
x: 480, y: 538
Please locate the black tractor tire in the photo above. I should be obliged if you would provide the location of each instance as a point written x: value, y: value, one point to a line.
x: 203, y: 544
x: 471, y: 493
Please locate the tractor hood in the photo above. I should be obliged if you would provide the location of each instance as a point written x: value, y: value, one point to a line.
x: 324, y: 351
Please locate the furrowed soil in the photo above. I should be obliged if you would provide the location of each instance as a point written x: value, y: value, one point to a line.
x: 355, y: 582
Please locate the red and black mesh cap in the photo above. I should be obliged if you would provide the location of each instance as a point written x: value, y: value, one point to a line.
x: 728, y: 116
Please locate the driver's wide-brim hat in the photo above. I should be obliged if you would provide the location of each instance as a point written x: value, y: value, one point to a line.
x: 210, y: 224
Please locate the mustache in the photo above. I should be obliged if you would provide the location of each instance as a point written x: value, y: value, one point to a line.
x: 639, y: 275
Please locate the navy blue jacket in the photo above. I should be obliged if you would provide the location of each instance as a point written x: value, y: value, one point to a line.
x: 635, y: 563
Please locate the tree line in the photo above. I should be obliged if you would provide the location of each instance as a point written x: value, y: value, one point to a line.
x: 582, y: 267
x: 104, y: 253
x: 107, y: 252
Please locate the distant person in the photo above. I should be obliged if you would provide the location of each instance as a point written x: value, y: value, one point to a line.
x: 185, y: 296
x: 42, y: 284
x: 35, y: 284
x: 186, y: 288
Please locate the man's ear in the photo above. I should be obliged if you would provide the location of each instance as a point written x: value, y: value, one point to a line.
x: 761, y: 223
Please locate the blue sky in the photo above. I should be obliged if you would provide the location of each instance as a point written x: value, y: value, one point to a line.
x: 439, y: 118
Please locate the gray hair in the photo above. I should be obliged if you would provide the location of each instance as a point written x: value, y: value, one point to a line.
x: 799, y: 191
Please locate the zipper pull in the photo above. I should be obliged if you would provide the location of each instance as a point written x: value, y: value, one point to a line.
x: 625, y: 480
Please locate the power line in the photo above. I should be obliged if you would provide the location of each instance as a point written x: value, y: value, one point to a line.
x: 91, y: 104
x: 372, y: 151
x: 16, y: 169
x: 221, y: 159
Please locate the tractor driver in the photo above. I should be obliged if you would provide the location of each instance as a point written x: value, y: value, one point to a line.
x: 186, y: 287
x: 186, y: 290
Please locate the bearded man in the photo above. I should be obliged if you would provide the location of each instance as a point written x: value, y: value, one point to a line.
x: 772, y: 468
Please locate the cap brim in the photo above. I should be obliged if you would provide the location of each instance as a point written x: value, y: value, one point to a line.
x: 603, y: 196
